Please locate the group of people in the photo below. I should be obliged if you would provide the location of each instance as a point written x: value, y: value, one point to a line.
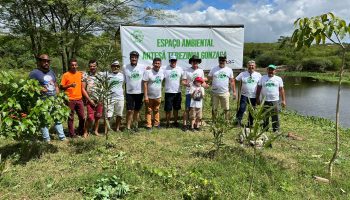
x: 143, y: 85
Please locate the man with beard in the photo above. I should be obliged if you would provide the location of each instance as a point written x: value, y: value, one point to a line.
x: 47, y: 80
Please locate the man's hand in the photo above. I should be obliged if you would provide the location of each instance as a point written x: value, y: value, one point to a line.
x: 148, y: 67
x: 44, y: 90
x: 146, y: 100
x: 92, y: 102
x: 283, y: 104
x: 234, y: 95
x: 73, y: 85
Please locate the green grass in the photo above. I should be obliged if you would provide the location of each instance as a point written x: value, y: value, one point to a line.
x: 328, y: 76
x: 60, y: 170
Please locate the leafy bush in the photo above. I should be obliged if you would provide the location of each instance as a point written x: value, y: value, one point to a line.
x: 316, y: 64
x: 107, y: 188
x: 23, y: 110
x: 266, y: 59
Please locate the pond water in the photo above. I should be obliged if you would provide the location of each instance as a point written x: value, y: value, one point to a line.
x: 312, y: 97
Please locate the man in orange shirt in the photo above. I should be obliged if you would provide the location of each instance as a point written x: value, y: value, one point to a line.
x: 71, y: 84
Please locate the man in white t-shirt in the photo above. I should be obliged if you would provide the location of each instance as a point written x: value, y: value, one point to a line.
x: 222, y: 80
x: 172, y: 76
x: 249, y: 82
x: 190, y: 75
x: 152, y: 83
x: 133, y: 74
x: 271, y: 88
x: 116, y: 103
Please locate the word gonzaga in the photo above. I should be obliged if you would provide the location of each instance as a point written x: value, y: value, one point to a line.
x: 185, y: 43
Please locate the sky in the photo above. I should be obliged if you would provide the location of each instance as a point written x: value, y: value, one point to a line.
x: 264, y: 20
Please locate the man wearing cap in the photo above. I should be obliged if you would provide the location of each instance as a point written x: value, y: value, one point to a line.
x: 249, y: 82
x: 190, y: 75
x: 152, y: 83
x: 271, y: 88
x: 71, y: 83
x: 47, y: 80
x: 172, y: 75
x: 133, y: 74
x: 116, y: 103
x: 223, y: 81
x: 93, y: 107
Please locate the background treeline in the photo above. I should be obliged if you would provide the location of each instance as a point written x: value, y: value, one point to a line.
x: 15, y: 52
x: 318, y: 58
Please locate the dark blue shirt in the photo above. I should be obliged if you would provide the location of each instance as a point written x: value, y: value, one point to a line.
x: 47, y: 80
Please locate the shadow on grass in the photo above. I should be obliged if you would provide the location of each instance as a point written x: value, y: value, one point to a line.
x: 26, y: 151
x: 84, y: 145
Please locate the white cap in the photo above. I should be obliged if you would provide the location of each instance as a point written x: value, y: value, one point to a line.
x: 115, y: 62
x: 172, y: 58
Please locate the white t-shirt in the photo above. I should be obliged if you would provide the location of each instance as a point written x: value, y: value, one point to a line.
x: 133, y: 78
x: 270, y: 87
x: 221, y: 79
x: 196, y: 103
x: 190, y: 74
x: 172, y: 78
x: 249, y: 83
x: 154, y: 83
x: 117, y: 90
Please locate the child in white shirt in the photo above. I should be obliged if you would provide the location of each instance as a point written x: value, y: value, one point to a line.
x: 197, y: 94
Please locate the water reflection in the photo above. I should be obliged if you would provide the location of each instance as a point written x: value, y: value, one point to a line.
x: 317, y: 98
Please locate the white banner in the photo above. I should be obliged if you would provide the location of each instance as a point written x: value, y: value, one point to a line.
x: 164, y: 41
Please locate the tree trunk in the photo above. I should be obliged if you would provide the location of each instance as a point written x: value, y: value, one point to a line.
x: 337, y: 139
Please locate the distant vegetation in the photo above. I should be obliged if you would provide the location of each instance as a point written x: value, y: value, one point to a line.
x: 15, y: 53
x: 318, y: 58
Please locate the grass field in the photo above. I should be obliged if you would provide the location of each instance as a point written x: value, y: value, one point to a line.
x: 168, y: 163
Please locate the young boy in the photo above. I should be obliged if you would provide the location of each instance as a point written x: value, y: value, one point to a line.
x: 197, y: 94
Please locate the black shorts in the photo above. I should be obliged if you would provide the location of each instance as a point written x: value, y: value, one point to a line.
x: 134, y: 101
x: 172, y: 101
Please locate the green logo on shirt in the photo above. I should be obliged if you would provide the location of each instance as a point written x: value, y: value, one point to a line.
x: 157, y: 80
x: 222, y: 76
x: 173, y: 75
x: 135, y: 76
x: 250, y: 80
x: 116, y: 83
x: 270, y: 84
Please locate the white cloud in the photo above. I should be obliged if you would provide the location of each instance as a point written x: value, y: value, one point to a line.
x: 264, y: 20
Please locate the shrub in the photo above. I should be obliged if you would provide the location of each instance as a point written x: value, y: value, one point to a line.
x: 23, y: 110
x: 316, y: 64
x: 272, y: 58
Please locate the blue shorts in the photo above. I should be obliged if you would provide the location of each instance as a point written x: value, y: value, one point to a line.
x: 188, y: 101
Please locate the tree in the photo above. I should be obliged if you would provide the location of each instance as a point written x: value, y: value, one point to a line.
x: 317, y: 29
x: 60, y: 25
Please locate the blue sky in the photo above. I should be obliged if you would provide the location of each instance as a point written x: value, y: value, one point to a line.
x: 264, y: 20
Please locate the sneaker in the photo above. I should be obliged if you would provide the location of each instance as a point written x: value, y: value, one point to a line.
x: 191, y: 129
x: 184, y: 128
x: 158, y: 127
x: 149, y: 129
